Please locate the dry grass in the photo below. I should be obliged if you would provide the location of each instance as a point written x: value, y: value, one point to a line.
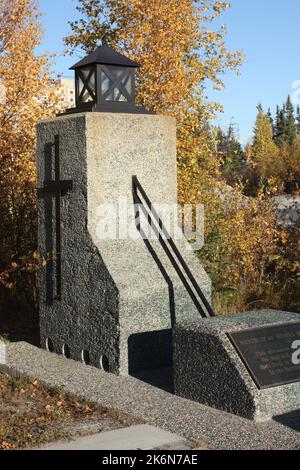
x: 31, y: 415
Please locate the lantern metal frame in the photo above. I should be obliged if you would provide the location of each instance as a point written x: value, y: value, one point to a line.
x: 117, y: 72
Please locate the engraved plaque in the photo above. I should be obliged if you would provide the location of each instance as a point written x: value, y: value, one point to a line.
x: 270, y: 353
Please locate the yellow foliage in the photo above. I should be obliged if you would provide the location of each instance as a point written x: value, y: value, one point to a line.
x: 179, y: 53
x: 29, y: 94
x: 272, y: 168
x: 287, y: 167
x: 264, y: 151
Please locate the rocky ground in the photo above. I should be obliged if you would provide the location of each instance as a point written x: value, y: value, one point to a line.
x: 288, y: 209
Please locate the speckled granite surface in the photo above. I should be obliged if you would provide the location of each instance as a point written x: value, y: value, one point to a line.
x: 120, y: 293
x: 188, y: 419
x: 208, y: 368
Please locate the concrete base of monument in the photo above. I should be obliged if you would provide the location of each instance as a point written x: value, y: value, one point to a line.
x: 242, y: 363
x: 120, y: 294
x: 185, y: 418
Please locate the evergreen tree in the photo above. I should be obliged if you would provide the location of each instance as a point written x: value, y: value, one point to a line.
x: 298, y: 120
x: 280, y: 125
x: 276, y: 124
x: 290, y: 123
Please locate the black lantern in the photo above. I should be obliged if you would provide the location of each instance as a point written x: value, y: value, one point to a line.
x: 105, y: 82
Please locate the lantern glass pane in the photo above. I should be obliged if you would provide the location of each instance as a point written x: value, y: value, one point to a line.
x: 87, y: 85
x: 92, y: 82
x: 80, y: 85
x: 86, y: 98
x: 115, y: 91
x: 106, y: 82
x: 85, y: 73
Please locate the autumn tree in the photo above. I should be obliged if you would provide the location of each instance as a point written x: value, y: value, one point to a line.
x: 28, y: 94
x: 179, y: 52
x: 284, y: 166
x: 263, y: 155
x: 289, y: 156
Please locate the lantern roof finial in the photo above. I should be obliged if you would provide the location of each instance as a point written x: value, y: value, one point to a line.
x: 105, y: 55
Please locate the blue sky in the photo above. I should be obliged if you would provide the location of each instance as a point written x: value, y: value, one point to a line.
x: 267, y: 31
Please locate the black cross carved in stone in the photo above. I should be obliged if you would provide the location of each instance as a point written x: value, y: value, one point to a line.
x: 57, y: 188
